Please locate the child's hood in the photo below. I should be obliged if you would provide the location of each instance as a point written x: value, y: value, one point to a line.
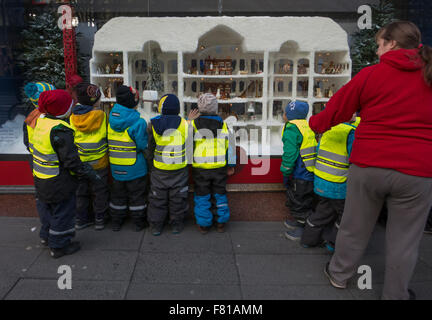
x: 122, y: 117
x: 87, y: 120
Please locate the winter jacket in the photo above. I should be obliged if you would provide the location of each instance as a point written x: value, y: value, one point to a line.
x: 130, y: 120
x: 215, y: 123
x: 64, y: 185
x: 329, y: 189
x: 87, y: 120
x: 292, y: 162
x: 395, y: 105
x: 160, y: 123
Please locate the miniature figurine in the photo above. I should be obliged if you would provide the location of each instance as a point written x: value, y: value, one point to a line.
x: 118, y: 69
x: 107, y: 69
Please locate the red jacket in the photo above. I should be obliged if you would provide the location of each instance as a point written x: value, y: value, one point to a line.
x: 395, y: 105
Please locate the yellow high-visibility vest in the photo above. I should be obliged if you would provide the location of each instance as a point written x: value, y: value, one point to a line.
x: 309, y: 144
x: 332, y: 162
x: 45, y: 160
x: 122, y: 149
x: 92, y: 146
x: 209, y: 151
x: 170, y: 152
x: 30, y: 132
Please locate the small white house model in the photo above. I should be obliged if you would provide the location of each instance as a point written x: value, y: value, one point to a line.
x: 254, y: 65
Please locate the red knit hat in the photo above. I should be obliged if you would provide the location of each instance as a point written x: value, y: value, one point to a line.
x: 56, y: 103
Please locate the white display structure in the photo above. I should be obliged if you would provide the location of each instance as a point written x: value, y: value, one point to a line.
x: 284, y: 58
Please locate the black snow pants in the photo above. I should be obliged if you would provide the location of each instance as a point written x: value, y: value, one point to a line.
x: 168, y: 195
x: 130, y: 195
x: 324, y: 222
x: 93, y: 198
x: 300, y: 198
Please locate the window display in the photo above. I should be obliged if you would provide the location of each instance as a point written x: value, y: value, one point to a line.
x: 253, y: 75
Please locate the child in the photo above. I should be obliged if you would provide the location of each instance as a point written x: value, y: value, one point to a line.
x: 169, y: 173
x: 331, y: 171
x: 209, y: 166
x: 90, y: 125
x: 55, y: 160
x: 127, y: 141
x: 33, y: 91
x: 298, y: 161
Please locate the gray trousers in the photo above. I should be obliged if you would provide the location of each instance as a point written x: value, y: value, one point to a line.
x: 168, y: 195
x: 408, y: 200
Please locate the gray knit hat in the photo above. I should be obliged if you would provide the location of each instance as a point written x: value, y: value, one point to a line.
x: 208, y: 104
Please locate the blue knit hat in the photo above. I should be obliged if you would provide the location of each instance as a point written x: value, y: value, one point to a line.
x: 34, y: 89
x: 297, y: 110
x: 169, y: 104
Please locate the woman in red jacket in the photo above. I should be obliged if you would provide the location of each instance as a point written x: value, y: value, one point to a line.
x: 391, y: 157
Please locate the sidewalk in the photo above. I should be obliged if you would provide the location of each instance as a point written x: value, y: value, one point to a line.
x: 252, y: 260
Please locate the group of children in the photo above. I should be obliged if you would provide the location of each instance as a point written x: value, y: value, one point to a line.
x: 315, y: 175
x: 75, y: 147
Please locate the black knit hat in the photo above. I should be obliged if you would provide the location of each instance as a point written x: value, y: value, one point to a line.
x: 88, y: 94
x: 127, y: 96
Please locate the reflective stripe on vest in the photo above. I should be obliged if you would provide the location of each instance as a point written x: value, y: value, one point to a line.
x: 30, y: 132
x: 309, y: 143
x: 93, y: 145
x: 209, y: 151
x: 122, y: 149
x: 170, y: 151
x: 45, y: 159
x: 332, y: 162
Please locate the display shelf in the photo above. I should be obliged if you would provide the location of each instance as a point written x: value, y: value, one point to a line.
x: 226, y: 101
x: 114, y: 75
x: 233, y: 76
x: 341, y: 75
x: 281, y: 69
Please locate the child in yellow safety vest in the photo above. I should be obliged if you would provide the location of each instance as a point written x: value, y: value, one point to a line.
x: 331, y: 173
x: 127, y: 142
x: 298, y: 162
x: 90, y: 125
x: 56, y: 169
x: 168, y: 136
x: 213, y: 161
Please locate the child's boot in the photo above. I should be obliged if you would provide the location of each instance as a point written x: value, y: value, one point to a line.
x: 71, y: 248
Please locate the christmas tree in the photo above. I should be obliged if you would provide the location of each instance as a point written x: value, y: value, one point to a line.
x: 363, y: 49
x: 42, y: 58
x: 154, y: 81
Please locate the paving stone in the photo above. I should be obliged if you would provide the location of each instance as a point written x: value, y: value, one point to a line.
x: 146, y: 291
x: 189, y: 241
x: 38, y: 289
x: 87, y: 265
x: 426, y: 257
x: 186, y: 268
x: 14, y: 263
x: 282, y: 269
x: 249, y: 226
x: 422, y: 271
x: 106, y: 239
x: 290, y: 292
x: 269, y: 242
x: 19, y: 233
